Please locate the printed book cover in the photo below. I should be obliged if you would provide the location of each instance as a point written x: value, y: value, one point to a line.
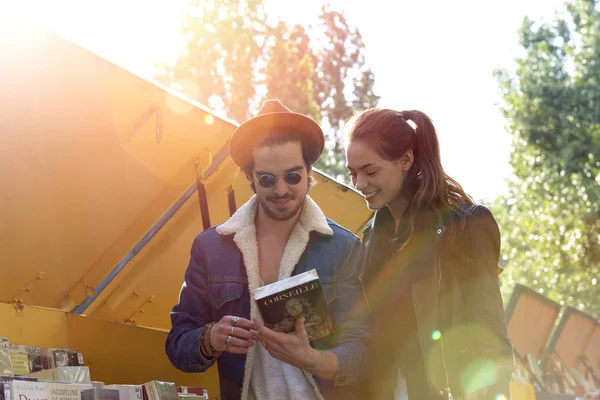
x: 284, y: 301
x: 100, y: 394
x: 34, y: 355
x: 6, y: 365
x: 20, y: 361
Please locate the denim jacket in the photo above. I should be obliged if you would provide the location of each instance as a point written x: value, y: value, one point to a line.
x: 222, y: 271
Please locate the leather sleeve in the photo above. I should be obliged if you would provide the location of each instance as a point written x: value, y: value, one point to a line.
x: 485, y: 298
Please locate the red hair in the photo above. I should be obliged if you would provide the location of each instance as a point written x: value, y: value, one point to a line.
x: 391, y: 135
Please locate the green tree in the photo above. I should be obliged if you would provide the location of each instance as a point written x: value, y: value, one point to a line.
x: 223, y: 50
x: 290, y: 69
x: 550, y: 217
x: 343, y: 83
x: 234, y: 59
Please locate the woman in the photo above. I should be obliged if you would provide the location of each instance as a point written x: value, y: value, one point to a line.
x: 431, y: 265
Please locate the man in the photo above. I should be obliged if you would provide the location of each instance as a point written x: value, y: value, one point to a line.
x: 278, y: 233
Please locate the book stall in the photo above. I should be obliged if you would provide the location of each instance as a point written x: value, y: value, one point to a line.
x: 106, y: 179
x: 110, y: 177
x: 557, y: 349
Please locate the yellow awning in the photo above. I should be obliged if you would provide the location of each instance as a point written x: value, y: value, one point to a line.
x: 99, y: 178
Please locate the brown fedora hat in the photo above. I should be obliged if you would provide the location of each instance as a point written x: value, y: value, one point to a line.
x: 273, y: 116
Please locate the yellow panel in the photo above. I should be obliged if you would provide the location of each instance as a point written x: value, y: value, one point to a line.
x: 120, y: 353
x: 80, y: 185
x: 521, y: 391
x: 115, y: 353
x: 33, y: 326
x: 96, y: 158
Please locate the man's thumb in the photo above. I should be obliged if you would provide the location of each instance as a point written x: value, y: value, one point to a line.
x: 300, y: 324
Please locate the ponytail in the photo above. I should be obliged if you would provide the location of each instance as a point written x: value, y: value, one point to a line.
x: 427, y: 164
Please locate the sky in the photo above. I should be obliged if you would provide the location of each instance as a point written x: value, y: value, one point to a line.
x: 436, y: 56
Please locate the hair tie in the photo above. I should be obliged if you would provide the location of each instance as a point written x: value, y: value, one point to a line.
x: 406, y: 118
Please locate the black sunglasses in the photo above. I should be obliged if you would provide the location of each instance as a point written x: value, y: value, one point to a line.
x: 268, y: 180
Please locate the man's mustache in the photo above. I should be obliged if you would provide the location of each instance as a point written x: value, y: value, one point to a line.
x: 277, y: 198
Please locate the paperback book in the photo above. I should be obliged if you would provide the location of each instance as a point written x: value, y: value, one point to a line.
x: 281, y: 303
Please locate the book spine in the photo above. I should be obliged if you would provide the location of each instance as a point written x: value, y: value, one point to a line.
x: 152, y: 391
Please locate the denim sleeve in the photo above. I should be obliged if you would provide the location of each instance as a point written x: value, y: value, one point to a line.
x: 188, y: 318
x: 351, y: 338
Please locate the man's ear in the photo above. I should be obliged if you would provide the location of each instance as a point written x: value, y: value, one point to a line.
x: 251, y: 181
x: 407, y: 160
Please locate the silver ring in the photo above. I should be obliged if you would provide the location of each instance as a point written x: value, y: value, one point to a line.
x: 232, y: 329
x: 235, y: 320
x: 228, y: 341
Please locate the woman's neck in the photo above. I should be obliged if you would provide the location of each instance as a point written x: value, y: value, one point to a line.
x: 397, y: 208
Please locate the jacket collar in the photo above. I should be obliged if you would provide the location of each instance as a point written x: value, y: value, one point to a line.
x: 311, y: 218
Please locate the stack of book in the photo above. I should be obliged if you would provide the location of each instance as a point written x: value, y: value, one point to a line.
x: 19, y: 359
x: 34, y: 373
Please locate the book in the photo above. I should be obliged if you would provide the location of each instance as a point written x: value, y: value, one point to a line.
x: 34, y: 355
x: 189, y: 396
x: 6, y: 365
x: 53, y: 358
x: 200, y: 391
x: 63, y: 391
x: 157, y: 390
x: 281, y: 303
x: 25, y: 390
x: 64, y: 374
x: 100, y: 394
x: 17, y: 378
x: 127, y: 392
x: 20, y: 361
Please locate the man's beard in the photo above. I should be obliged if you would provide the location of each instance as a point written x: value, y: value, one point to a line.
x: 282, y: 215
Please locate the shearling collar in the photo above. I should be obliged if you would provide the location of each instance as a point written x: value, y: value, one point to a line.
x: 311, y: 218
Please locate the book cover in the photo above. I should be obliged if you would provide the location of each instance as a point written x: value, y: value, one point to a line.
x: 26, y: 390
x: 34, y: 354
x: 127, y: 392
x: 65, y: 374
x: 61, y: 358
x: 200, y: 391
x: 284, y: 301
x: 63, y: 391
x: 190, y: 396
x: 74, y: 358
x: 20, y: 361
x: 4, y: 378
x: 157, y: 390
x: 6, y: 366
x: 100, y: 394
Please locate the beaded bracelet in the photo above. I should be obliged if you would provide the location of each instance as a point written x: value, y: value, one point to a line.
x: 206, y: 348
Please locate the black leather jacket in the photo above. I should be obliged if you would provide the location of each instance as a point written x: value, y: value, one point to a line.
x: 456, y: 300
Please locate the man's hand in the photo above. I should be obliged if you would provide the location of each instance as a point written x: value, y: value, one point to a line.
x: 233, y: 334
x: 294, y: 349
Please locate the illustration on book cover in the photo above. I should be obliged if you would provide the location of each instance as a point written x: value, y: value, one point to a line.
x: 282, y: 303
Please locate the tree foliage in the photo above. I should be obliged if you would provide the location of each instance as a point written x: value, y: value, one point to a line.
x: 236, y: 57
x: 550, y: 217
